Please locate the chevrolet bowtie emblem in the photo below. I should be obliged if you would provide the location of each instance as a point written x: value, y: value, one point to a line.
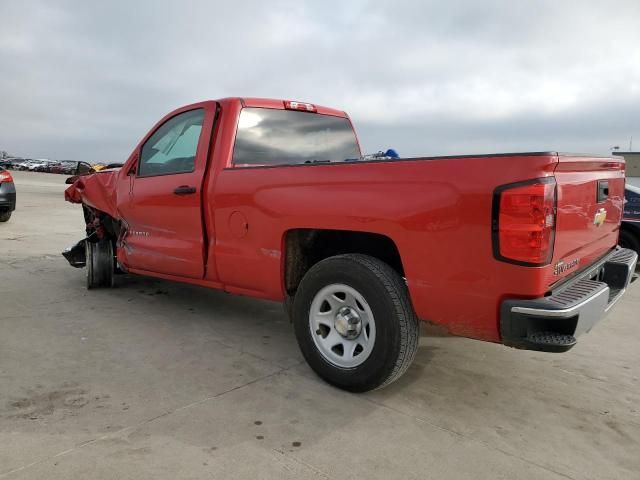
x: 600, y: 217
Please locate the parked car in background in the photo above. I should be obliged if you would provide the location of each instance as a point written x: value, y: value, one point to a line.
x: 630, y: 228
x: 66, y: 167
x: 22, y: 164
x: 7, y: 195
x: 70, y: 167
x: 43, y: 165
x: 10, y: 162
x: 16, y: 161
x: 83, y: 168
x: 55, y: 167
x: 114, y: 165
x: 37, y: 164
x: 98, y: 167
x: 29, y: 164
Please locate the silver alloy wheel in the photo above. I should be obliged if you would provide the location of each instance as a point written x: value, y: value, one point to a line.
x: 342, y: 325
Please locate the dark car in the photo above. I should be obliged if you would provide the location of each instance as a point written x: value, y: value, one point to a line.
x: 69, y: 167
x: 44, y: 166
x: 630, y: 228
x: 57, y: 168
x: 7, y: 195
x: 84, y: 168
x: 6, y: 162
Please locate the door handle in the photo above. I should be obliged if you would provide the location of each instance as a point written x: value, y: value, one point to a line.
x: 184, y: 190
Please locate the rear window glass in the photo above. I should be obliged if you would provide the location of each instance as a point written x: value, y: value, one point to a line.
x: 279, y: 137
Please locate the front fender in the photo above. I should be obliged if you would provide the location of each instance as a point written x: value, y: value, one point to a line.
x: 97, y: 190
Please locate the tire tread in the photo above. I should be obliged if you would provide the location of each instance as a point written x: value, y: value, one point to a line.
x: 409, y: 325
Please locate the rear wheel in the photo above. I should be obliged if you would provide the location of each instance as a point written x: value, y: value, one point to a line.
x: 5, y: 215
x: 629, y: 239
x: 100, y: 264
x: 354, y: 322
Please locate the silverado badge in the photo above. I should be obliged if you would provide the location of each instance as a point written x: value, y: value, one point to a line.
x: 562, y: 267
x: 600, y: 217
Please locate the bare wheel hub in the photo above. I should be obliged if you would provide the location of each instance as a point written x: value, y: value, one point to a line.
x: 342, y: 326
x: 347, y: 323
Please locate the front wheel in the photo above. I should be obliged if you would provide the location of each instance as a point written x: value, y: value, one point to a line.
x: 354, y: 322
x: 100, y: 264
x: 5, y: 216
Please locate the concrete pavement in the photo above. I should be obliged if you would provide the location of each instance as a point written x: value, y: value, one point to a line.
x: 159, y: 380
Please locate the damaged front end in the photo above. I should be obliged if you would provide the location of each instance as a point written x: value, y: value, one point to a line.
x: 77, y: 254
x: 96, y: 193
x: 100, y: 228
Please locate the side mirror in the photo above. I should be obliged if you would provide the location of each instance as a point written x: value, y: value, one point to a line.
x: 71, y: 180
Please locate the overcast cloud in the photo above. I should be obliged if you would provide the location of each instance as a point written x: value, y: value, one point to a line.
x: 85, y: 80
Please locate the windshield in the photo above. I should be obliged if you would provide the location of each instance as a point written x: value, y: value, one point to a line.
x: 281, y: 137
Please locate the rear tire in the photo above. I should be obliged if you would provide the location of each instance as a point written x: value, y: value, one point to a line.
x: 354, y: 322
x: 5, y: 216
x: 629, y: 239
x: 100, y: 264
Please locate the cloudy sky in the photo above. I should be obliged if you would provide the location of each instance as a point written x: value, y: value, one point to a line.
x: 85, y: 80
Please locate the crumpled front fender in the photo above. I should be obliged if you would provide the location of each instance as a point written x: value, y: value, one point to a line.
x: 97, y: 190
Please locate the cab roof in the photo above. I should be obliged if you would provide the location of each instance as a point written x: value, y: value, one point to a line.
x: 256, y: 102
x: 279, y: 104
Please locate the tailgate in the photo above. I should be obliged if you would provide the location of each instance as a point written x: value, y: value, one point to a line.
x: 590, y: 198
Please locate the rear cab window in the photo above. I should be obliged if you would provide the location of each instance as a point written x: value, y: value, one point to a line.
x: 270, y: 137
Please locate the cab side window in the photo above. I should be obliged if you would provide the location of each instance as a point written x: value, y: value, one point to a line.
x: 172, y: 147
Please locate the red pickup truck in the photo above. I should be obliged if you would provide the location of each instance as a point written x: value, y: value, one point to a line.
x: 273, y: 199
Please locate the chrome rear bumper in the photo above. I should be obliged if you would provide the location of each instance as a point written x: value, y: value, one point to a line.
x: 552, y: 323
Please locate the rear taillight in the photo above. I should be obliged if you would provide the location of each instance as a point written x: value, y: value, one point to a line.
x: 5, y: 177
x: 524, y: 221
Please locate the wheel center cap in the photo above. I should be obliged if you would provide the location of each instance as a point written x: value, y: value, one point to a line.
x: 348, y: 323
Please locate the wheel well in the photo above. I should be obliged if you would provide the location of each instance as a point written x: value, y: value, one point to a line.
x: 100, y: 223
x: 305, y: 247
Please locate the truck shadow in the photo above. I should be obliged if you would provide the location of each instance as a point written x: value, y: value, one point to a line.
x: 260, y: 327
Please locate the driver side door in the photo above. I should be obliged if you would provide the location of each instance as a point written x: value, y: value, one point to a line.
x: 163, y: 211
